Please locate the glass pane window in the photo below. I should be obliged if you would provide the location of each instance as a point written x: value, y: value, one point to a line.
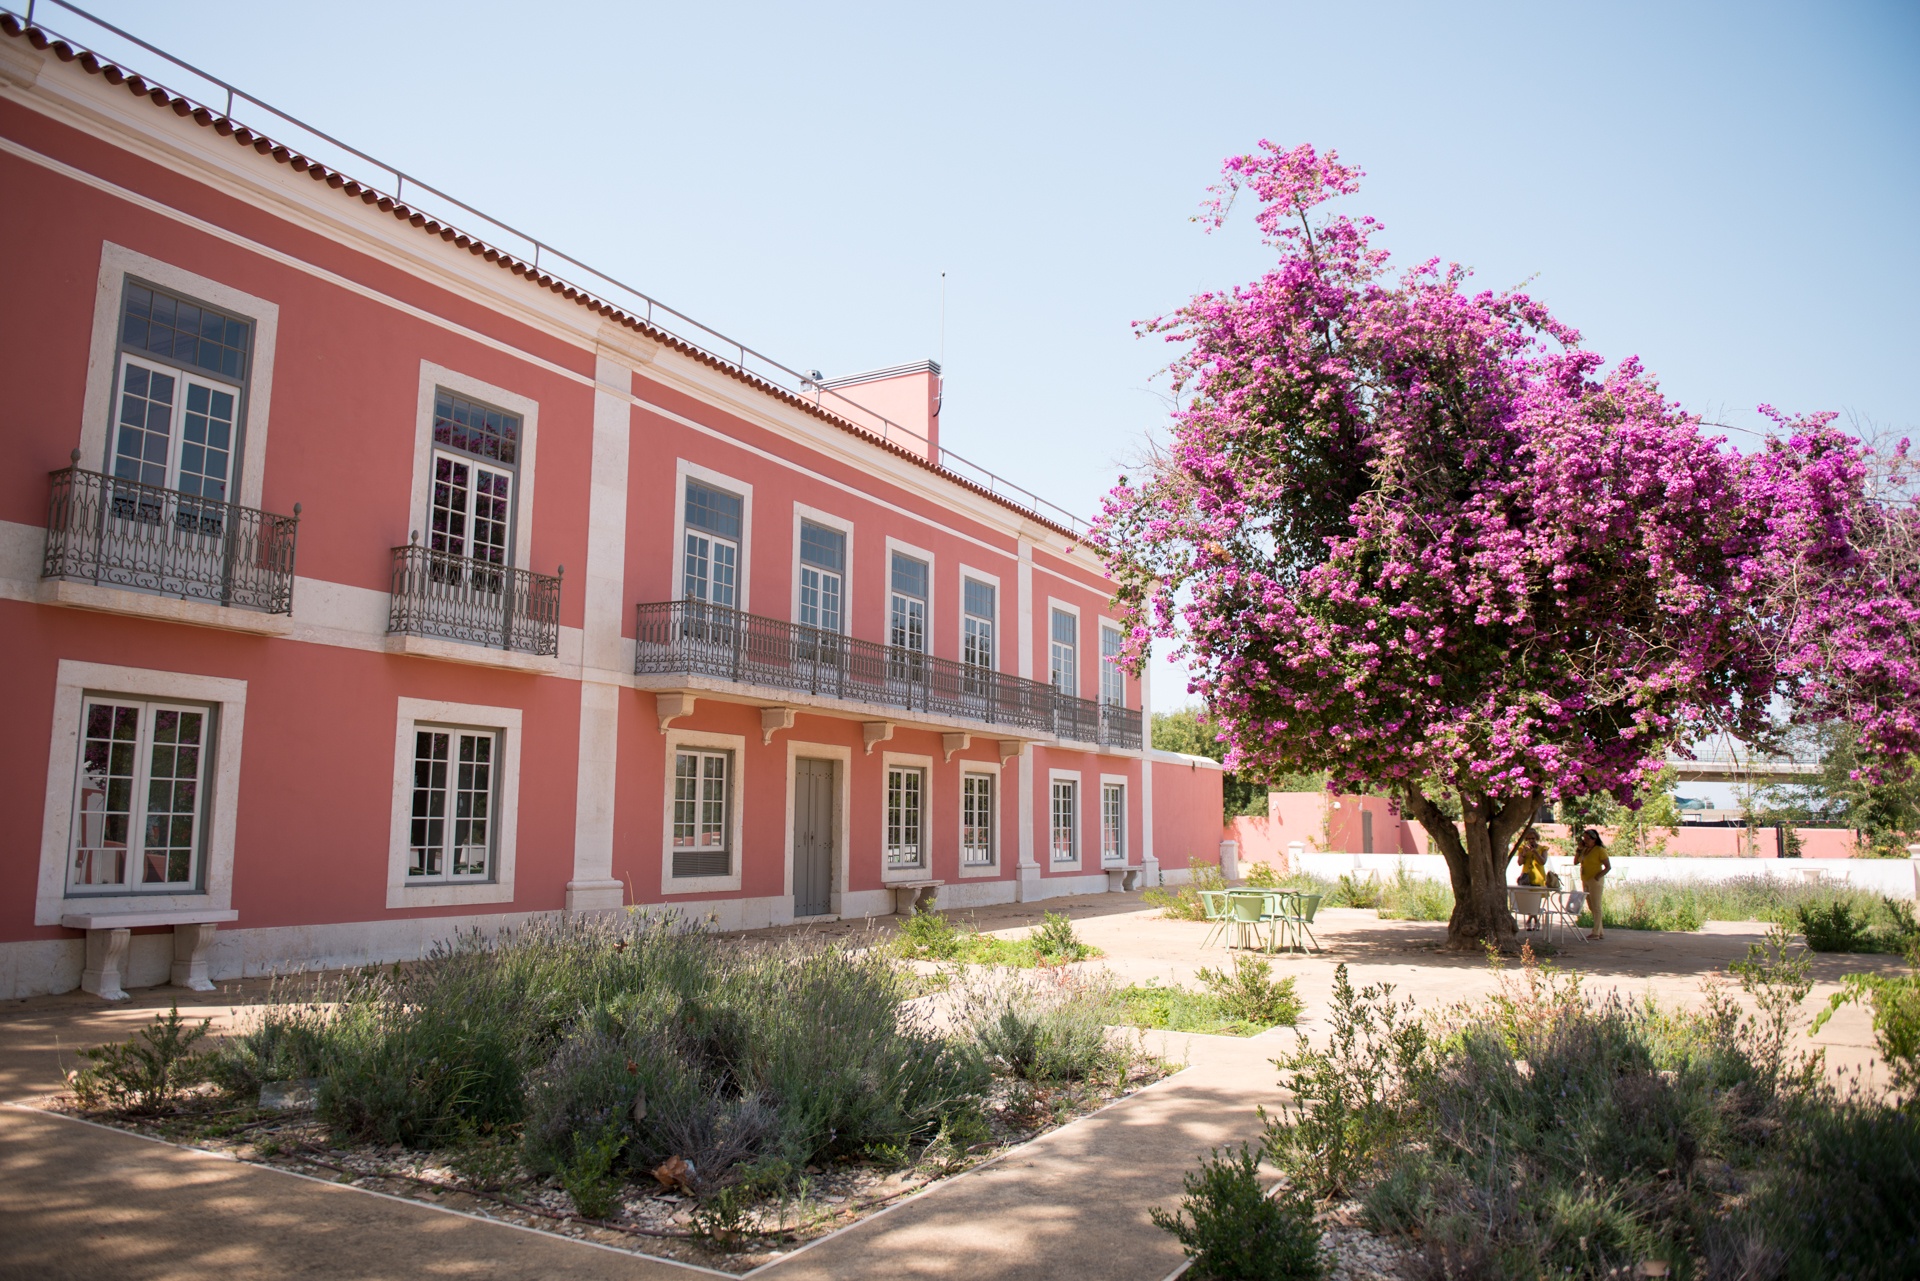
x: 191, y: 334
x: 1065, y: 807
x: 906, y: 816
x: 702, y: 813
x: 451, y: 836
x: 907, y: 624
x: 140, y: 798
x: 977, y: 633
x: 714, y: 511
x: 474, y: 429
x: 711, y: 568
x: 1113, y: 823
x: 1065, y: 653
x: 472, y: 508
x: 1113, y: 681
x: 976, y: 819
x: 174, y: 430
x: 823, y: 559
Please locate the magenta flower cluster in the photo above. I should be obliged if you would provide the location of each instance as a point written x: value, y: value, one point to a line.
x: 1414, y: 533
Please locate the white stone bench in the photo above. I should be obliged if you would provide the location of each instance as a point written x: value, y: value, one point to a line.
x: 908, y: 896
x: 1122, y: 879
x: 108, y: 934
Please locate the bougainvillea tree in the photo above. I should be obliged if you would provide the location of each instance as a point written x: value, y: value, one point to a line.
x: 1414, y: 535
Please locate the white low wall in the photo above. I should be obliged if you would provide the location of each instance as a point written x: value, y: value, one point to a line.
x: 1893, y: 877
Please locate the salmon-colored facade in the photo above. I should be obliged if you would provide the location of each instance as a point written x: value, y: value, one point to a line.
x: 296, y: 677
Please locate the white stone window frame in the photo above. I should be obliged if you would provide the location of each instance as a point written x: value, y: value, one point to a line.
x: 1079, y: 856
x: 97, y: 413
x: 684, y: 471
x: 1102, y: 626
x: 73, y: 681
x: 842, y: 802
x: 409, y: 715
x: 923, y: 870
x: 702, y: 740
x: 933, y: 589
x: 992, y: 867
x: 803, y: 514
x: 960, y: 612
x: 1079, y: 642
x: 1122, y: 782
x: 434, y: 378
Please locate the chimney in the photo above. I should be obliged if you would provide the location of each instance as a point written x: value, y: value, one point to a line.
x: 901, y: 404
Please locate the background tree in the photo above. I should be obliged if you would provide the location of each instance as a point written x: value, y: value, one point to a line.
x: 1884, y: 808
x: 1187, y: 730
x: 1415, y: 536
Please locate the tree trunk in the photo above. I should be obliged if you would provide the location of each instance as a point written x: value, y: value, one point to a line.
x: 1476, y: 862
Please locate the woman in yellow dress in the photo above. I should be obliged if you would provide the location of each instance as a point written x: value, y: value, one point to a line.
x: 1594, y: 866
x: 1533, y: 859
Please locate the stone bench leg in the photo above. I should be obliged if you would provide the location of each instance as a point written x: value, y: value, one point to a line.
x: 106, y: 964
x: 190, y: 946
x: 908, y: 898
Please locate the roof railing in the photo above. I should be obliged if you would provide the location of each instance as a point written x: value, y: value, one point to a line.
x: 223, y: 98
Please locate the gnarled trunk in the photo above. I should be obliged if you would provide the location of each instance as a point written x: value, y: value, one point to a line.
x: 1477, y: 862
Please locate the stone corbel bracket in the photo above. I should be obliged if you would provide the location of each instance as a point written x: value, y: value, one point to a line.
x: 1010, y: 748
x: 872, y: 732
x: 772, y: 721
x: 951, y: 743
x: 672, y: 707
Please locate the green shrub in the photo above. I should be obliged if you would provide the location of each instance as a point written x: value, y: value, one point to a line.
x: 1184, y: 903
x: 1353, y: 891
x: 1262, y: 876
x: 1047, y: 1029
x: 1054, y: 940
x: 1233, y: 1231
x: 1415, y: 898
x: 1847, y: 1203
x: 1833, y: 927
x: 1250, y: 992
x: 147, y: 1073
x: 285, y: 1042
x: 930, y: 936
x: 587, y: 1175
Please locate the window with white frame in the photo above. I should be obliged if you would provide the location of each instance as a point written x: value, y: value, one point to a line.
x: 1066, y: 808
x: 711, y: 572
x: 907, y: 629
x: 823, y: 567
x: 977, y: 609
x: 177, y: 419
x: 456, y: 779
x: 141, y: 796
x: 702, y: 812
x: 906, y: 816
x: 976, y: 819
x: 1113, y: 822
x: 1065, y: 653
x: 476, y: 451
x: 1113, y: 681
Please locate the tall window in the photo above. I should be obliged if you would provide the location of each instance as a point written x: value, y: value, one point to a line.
x: 140, y: 799
x: 977, y: 639
x: 1113, y: 823
x: 907, y: 622
x: 712, y: 570
x: 1065, y: 810
x: 177, y: 420
x: 476, y: 453
x: 1113, y: 681
x: 906, y: 816
x: 454, y: 781
x: 823, y: 567
x: 702, y: 813
x: 976, y: 819
x: 1065, y: 652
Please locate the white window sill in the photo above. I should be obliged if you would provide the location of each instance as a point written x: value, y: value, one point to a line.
x: 447, y: 893
x: 899, y: 875
x: 675, y: 886
x: 194, y: 613
x: 476, y: 655
x: 979, y: 871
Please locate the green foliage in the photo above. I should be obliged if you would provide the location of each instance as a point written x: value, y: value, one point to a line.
x: 1415, y: 898
x: 1846, y: 1201
x: 147, y: 1073
x: 932, y: 936
x: 1651, y: 906
x: 587, y: 1175
x: 1839, y: 926
x: 1048, y: 1028
x: 1249, y: 992
x: 1235, y: 1232
x: 1188, y: 731
x: 1262, y: 876
x: 1054, y: 939
x: 1183, y: 903
x: 1357, y: 891
x: 285, y: 1042
x: 1895, y: 1002
x: 1347, y: 1111
x: 1886, y: 813
x: 1640, y: 828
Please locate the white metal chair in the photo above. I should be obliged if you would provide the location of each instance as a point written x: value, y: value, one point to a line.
x: 1565, y: 911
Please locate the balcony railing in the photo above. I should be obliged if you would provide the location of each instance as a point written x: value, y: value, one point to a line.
x: 693, y: 638
x: 459, y: 598
x: 121, y: 533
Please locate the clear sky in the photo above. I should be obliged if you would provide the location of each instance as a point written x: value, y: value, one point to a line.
x: 1731, y: 192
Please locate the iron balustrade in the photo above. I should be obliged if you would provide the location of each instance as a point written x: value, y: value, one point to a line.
x: 460, y: 598
x: 693, y: 638
x: 1120, y: 727
x: 123, y: 533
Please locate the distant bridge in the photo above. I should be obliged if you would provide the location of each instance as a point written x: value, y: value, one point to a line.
x: 1734, y: 769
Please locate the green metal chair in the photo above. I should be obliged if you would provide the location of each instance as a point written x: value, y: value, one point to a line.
x: 1300, y: 919
x: 1250, y: 912
x: 1214, y: 904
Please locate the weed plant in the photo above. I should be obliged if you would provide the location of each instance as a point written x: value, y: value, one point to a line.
x: 1233, y: 1231
x: 147, y: 1073
x: 934, y: 936
x: 1049, y: 1027
x: 1241, y: 1002
x: 1183, y: 902
x: 1407, y: 897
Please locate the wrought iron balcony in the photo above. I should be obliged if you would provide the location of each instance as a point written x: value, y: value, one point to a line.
x: 122, y: 533
x: 697, y: 639
x: 1081, y: 720
x: 1120, y: 727
x: 477, y: 602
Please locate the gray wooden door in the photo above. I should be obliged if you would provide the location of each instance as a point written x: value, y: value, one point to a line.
x: 812, y: 837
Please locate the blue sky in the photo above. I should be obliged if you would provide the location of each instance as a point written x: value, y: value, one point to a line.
x: 1729, y: 191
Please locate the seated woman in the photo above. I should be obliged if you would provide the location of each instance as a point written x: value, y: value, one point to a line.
x: 1532, y: 859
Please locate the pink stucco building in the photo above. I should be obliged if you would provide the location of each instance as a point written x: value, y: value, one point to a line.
x: 295, y: 675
